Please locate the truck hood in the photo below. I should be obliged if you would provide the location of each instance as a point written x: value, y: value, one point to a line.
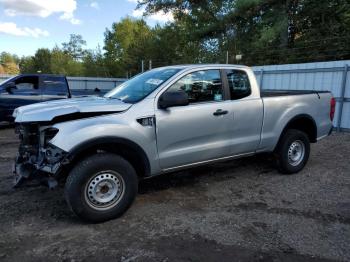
x: 74, y: 107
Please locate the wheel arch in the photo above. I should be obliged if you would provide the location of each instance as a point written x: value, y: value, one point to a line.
x: 304, y: 123
x: 125, y: 148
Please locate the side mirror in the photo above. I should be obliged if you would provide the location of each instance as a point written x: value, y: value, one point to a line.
x: 9, y: 86
x: 169, y: 99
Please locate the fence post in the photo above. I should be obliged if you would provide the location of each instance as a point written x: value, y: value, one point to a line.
x: 142, y: 66
x: 261, y: 79
x: 150, y: 65
x: 342, y: 95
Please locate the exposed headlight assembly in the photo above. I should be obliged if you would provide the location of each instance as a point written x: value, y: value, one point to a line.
x: 47, y: 135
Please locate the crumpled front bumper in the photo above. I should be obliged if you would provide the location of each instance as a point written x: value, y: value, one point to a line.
x: 37, y: 159
x: 22, y: 173
x: 46, y: 170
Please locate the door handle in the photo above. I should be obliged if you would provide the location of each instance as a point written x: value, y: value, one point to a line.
x: 220, y: 112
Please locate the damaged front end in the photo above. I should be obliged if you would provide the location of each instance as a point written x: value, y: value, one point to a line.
x: 37, y: 159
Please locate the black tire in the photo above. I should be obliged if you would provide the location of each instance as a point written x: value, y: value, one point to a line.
x: 292, y: 139
x: 89, y: 170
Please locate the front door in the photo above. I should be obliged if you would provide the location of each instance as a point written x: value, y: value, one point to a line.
x: 25, y: 91
x: 197, y: 132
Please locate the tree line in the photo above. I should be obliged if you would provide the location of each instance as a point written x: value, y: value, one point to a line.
x: 252, y: 32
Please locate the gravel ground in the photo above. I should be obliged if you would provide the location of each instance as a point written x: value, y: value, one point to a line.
x: 238, y: 210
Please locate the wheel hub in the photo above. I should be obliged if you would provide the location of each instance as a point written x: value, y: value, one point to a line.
x: 104, y: 190
x: 296, y: 153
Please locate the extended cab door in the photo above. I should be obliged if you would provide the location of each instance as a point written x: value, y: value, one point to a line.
x: 197, y: 132
x: 247, y: 108
x: 54, y: 87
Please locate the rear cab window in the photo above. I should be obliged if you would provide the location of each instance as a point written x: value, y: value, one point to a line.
x: 238, y: 83
x: 55, y: 85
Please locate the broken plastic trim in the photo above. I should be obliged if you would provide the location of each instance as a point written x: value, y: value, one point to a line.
x: 45, y: 168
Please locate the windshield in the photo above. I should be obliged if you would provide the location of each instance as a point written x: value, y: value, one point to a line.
x: 6, y: 80
x: 141, y: 85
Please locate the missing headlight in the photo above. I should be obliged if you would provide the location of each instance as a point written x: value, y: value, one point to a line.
x: 49, y: 133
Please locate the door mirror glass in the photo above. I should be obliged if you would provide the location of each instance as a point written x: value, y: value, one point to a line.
x: 175, y: 98
x: 9, y: 86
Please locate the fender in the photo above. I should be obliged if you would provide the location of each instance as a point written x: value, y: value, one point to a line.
x: 114, y: 144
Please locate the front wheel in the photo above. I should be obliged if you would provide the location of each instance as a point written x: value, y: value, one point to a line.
x: 101, y: 187
x: 292, y: 152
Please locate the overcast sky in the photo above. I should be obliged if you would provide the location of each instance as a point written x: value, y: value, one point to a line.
x: 26, y: 25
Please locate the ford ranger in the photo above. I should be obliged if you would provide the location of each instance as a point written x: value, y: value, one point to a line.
x: 163, y: 120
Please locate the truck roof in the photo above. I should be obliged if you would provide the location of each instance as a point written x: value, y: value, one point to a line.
x: 193, y: 66
x: 39, y: 74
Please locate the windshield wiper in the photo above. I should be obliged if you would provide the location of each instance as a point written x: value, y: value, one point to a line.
x: 111, y: 97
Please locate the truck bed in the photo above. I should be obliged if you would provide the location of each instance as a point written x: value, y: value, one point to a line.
x: 280, y: 106
x: 273, y: 92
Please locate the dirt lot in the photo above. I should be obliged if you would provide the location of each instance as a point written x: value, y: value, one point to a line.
x: 239, y: 210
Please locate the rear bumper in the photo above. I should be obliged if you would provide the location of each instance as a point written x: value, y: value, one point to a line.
x: 328, y: 134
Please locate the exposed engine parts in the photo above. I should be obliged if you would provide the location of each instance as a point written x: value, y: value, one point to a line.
x: 36, y: 155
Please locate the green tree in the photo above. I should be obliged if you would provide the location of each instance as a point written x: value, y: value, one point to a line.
x: 94, y: 63
x: 173, y: 44
x: 26, y: 65
x: 126, y: 44
x: 9, y: 63
x: 264, y: 32
x: 75, y: 46
x: 322, y: 30
x: 55, y: 61
x: 63, y: 63
x: 42, y: 61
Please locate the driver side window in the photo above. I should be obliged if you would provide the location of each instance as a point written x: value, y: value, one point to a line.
x: 200, y: 86
x: 26, y: 85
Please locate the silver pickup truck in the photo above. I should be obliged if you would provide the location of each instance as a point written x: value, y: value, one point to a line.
x: 163, y: 120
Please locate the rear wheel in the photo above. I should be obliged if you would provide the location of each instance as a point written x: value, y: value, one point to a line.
x: 292, y: 152
x: 101, y: 187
